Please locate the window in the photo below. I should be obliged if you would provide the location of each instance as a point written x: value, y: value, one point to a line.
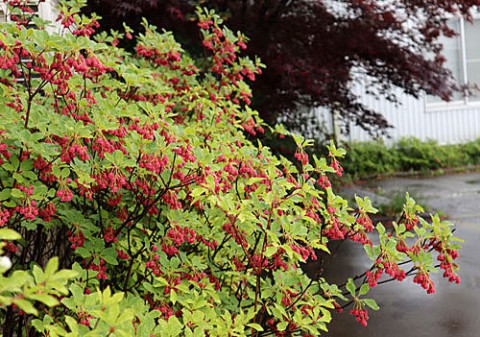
x: 3, y: 13
x: 23, y: 12
x: 463, y: 58
x: 472, y: 55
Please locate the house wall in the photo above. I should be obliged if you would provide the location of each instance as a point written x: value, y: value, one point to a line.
x: 46, y: 10
x: 452, y: 123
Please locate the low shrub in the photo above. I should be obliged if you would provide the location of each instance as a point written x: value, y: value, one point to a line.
x: 367, y: 159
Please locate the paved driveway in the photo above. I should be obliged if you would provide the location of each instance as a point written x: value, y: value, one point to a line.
x: 406, y: 309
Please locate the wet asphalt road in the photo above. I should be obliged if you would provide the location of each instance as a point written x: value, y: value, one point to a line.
x: 406, y: 309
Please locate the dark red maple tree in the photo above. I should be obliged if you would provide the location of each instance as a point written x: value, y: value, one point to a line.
x: 314, y: 49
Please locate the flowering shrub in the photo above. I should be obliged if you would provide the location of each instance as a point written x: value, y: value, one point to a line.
x: 135, y: 173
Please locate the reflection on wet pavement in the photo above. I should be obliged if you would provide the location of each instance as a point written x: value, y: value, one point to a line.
x: 406, y: 309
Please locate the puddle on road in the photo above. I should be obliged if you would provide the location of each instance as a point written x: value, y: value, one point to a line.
x: 473, y: 182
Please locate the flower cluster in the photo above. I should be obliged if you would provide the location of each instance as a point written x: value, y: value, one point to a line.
x: 361, y: 316
x: 424, y: 280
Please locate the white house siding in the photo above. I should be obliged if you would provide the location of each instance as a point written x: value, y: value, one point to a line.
x: 451, y: 123
x: 46, y: 10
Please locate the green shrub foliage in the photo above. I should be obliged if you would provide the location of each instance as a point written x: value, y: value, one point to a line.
x: 133, y: 173
x: 369, y: 158
x: 366, y: 159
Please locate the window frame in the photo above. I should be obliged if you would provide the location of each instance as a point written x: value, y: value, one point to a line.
x: 464, y: 101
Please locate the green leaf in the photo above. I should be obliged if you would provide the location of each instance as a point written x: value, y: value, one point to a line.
x: 9, y: 234
x: 173, y: 297
x: 9, y: 204
x: 4, y: 194
x: 255, y: 326
x: 45, y: 299
x: 72, y: 324
x: 110, y: 256
x: 282, y: 326
x: 38, y: 325
x: 16, y: 193
x: 38, y: 274
x: 364, y: 289
x: 26, y: 165
x: 351, y: 286
x: 8, y: 167
x: 371, y: 303
x: 317, y: 245
x: 198, y: 191
x: 17, y: 280
x: 65, y: 173
x: 83, y: 252
x: 116, y: 298
x: 19, y: 178
x: 51, y: 267
x: 380, y: 228
x: 365, y: 204
x: 269, y: 251
x: 26, y: 306
x: 64, y: 274
x: 254, y: 180
x: 420, y: 231
x: 174, y: 327
x: 368, y: 249
x: 334, y: 151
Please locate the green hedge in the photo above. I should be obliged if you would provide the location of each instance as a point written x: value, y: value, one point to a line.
x: 366, y: 159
